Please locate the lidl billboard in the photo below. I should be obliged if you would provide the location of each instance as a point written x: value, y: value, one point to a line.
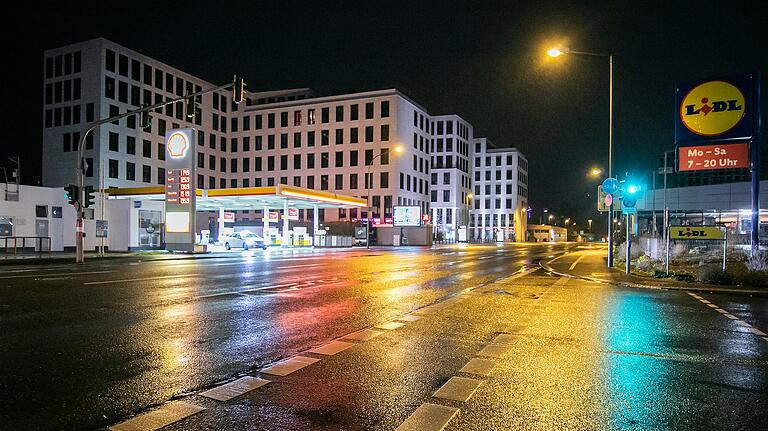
x: 715, y: 110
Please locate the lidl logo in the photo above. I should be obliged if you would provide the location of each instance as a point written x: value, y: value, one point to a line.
x: 712, y: 108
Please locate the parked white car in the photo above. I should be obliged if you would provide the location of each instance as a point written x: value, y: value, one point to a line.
x: 244, y: 240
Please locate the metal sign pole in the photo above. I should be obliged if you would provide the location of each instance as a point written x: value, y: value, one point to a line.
x: 725, y: 244
x: 666, y: 263
x: 629, y: 243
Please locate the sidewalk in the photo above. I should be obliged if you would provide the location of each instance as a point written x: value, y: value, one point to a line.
x: 590, y: 264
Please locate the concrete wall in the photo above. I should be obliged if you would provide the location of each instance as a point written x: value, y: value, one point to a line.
x: 416, y: 235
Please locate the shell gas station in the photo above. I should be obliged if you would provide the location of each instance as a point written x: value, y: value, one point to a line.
x: 281, y: 206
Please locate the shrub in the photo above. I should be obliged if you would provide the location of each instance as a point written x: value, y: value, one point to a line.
x: 757, y: 261
x: 713, y: 275
x: 753, y: 278
x: 646, y: 264
x: 688, y: 278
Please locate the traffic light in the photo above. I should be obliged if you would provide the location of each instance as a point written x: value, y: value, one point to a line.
x: 238, y: 90
x: 146, y: 120
x: 191, y: 107
x: 71, y: 193
x: 88, y: 197
x: 633, y: 189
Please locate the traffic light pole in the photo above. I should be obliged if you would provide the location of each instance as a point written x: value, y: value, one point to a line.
x: 80, y: 171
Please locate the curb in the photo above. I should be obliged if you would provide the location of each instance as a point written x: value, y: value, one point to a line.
x: 547, y: 267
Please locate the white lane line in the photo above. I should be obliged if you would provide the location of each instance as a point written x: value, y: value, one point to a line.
x: 730, y: 316
x: 128, y: 280
x: 363, y: 335
x: 234, y: 389
x: 167, y: 414
x: 494, y: 350
x: 240, y: 292
x: 561, y: 281
x: 65, y: 274
x: 504, y: 339
x: 704, y: 301
x: 458, y: 389
x: 390, y: 325
x: 479, y: 366
x: 288, y: 366
x: 332, y: 348
x: 757, y: 331
x: 408, y: 318
x: 576, y: 262
x: 428, y: 417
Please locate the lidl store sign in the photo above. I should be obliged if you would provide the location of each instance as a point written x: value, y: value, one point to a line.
x: 696, y: 233
x: 715, y: 110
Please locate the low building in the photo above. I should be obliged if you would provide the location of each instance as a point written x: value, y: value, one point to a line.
x: 547, y: 233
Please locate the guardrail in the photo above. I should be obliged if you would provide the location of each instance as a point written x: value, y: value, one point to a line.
x: 37, y: 243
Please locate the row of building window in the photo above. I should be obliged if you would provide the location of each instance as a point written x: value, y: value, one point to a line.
x: 487, y: 176
x: 67, y: 115
x: 63, y: 91
x: 312, y: 160
x: 491, y: 220
x: 63, y: 64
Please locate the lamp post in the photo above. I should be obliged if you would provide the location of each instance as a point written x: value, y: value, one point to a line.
x: 555, y: 52
x: 368, y: 181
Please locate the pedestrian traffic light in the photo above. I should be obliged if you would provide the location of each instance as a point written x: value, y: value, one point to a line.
x: 71, y: 193
x: 88, y: 196
x: 238, y: 90
x: 191, y: 107
x: 146, y: 120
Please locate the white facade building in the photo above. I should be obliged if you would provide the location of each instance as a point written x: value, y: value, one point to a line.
x: 451, y: 178
x: 500, y: 193
x: 290, y: 137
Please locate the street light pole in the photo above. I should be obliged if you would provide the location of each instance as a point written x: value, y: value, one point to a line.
x: 368, y: 181
x: 554, y: 52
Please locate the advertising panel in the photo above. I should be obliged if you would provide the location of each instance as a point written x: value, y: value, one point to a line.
x: 406, y: 216
x: 293, y: 213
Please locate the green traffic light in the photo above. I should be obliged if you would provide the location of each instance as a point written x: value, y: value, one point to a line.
x: 632, y: 189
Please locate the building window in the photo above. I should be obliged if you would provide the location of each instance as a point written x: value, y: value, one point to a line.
x: 385, y: 132
x: 325, y: 115
x: 297, y: 118
x: 339, y: 113
x: 369, y: 110
x: 113, y: 168
x: 311, y: 116
x: 130, y: 171
x: 385, y: 109
x: 368, y: 133
x: 339, y: 180
x: 353, y: 112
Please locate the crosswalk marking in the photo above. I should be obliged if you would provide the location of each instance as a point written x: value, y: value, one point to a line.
x: 234, y: 389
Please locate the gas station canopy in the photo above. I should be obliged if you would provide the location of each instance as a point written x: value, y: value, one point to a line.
x: 249, y: 198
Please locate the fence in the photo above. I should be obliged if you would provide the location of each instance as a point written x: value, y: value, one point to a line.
x: 333, y: 241
x: 37, y: 243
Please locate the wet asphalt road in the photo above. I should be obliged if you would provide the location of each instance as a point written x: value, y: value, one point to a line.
x: 85, y: 346
x: 85, y: 350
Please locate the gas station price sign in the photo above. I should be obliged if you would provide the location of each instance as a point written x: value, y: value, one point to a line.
x: 178, y: 187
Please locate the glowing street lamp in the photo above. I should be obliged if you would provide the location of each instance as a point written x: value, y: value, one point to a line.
x: 368, y: 181
x: 556, y: 52
x: 595, y: 172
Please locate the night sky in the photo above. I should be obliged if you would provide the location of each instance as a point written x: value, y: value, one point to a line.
x: 482, y: 60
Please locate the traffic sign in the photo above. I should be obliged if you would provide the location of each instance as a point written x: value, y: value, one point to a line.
x: 611, y: 185
x: 603, y: 202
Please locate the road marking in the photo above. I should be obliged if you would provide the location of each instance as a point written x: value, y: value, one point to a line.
x: 408, y: 318
x: 494, y: 350
x: 479, y: 366
x: 504, y: 339
x: 390, y: 325
x: 288, y: 366
x: 234, y: 389
x: 167, y: 414
x: 458, y: 389
x: 66, y: 274
x: 428, y: 417
x: 127, y: 280
x: 363, y: 335
x: 730, y: 316
x: 332, y: 348
x: 576, y: 262
x: 561, y: 281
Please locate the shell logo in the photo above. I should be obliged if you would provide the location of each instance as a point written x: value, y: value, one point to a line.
x: 712, y: 108
x: 177, y: 145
